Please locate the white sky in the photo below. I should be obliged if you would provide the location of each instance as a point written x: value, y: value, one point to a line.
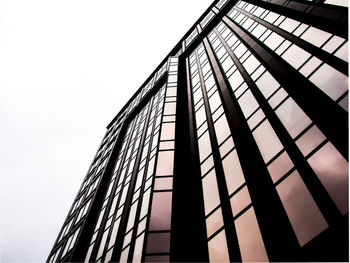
x: 66, y: 68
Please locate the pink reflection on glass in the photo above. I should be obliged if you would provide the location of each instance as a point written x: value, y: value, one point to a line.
x: 170, y: 108
x: 240, y: 201
x: 250, y: 240
x: 218, y: 248
x: 310, y: 140
x: 280, y: 167
x: 214, y: 222
x: 303, y: 213
x: 332, y: 169
x: 168, y: 131
x: 157, y: 259
x: 165, y: 163
x: 158, y: 243
x: 210, y: 192
x: 233, y: 172
x: 161, y: 211
x: 204, y: 146
x: 163, y: 183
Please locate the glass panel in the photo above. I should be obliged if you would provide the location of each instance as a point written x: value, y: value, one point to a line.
x: 165, y: 183
x: 221, y: 129
x: 166, y: 145
x: 169, y: 108
x: 332, y: 169
x: 248, y: 103
x: 310, y: 140
x: 295, y: 56
x: 165, y: 163
x: 138, y: 249
x: 158, y: 243
x: 124, y: 255
x: 205, y: 167
x: 168, y: 131
x: 310, y: 66
x: 235, y: 80
x: 214, y: 102
x: 315, y: 36
x: 330, y: 81
x: 240, y: 201
x: 273, y: 41
x: 249, y: 237
x: 233, y: 172
x: 267, y: 140
x: 226, y: 146
x: 210, y: 192
x: 204, y: 146
x: 303, y: 213
x: 161, y: 211
x: 214, y: 222
x: 200, y: 116
x: 218, y: 248
x: 157, y: 259
x: 280, y: 166
x: 292, y: 116
x: 267, y: 84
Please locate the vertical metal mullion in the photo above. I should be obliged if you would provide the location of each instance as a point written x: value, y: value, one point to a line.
x: 322, y: 110
x: 272, y: 218
x: 316, y: 188
x: 142, y: 188
x: 125, y: 215
x: 230, y: 229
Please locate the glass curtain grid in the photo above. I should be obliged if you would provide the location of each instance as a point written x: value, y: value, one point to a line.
x: 234, y: 149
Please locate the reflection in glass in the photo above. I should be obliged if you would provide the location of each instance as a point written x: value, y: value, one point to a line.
x: 240, y: 201
x: 214, y: 222
x: 233, y: 172
x: 280, y: 166
x: 267, y: 140
x: 204, y: 146
x: 163, y: 183
x: 249, y: 237
x: 218, y: 248
x: 210, y: 192
x: 310, y: 140
x: 168, y: 131
x: 332, y: 169
x: 292, y: 117
x: 158, y: 243
x: 303, y: 213
x: 161, y: 211
x: 165, y: 163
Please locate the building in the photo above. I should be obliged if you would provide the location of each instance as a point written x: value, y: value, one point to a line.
x: 234, y: 149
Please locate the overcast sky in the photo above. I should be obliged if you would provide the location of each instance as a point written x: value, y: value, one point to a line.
x: 66, y: 68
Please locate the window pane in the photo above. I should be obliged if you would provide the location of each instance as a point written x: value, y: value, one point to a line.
x: 163, y: 183
x: 330, y: 81
x: 310, y: 140
x: 165, y: 163
x: 168, y: 131
x: 169, y: 108
x: 218, y: 248
x: 303, y: 213
x: 240, y: 201
x: 158, y: 243
x: 267, y: 84
x: 248, y: 103
x: 233, y: 172
x: 161, y: 211
x: 267, y: 140
x: 332, y: 169
x: 221, y: 129
x: 204, y: 146
x: 214, y: 222
x: 250, y: 241
x: 280, y: 167
x: 293, y: 117
x: 295, y: 56
x: 210, y: 192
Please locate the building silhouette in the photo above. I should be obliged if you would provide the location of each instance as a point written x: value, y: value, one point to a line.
x: 234, y: 149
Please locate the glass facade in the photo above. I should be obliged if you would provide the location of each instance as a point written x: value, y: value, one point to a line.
x: 234, y: 149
